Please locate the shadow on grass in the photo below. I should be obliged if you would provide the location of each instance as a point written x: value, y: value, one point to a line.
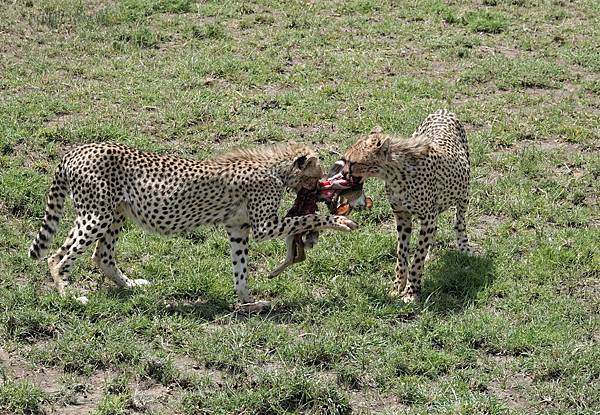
x: 454, y: 280
x: 189, y: 305
x: 202, y: 311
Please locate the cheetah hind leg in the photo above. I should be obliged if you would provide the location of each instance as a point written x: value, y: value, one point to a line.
x: 53, y: 262
x: 104, y: 255
x: 62, y: 285
x: 105, y: 260
x: 80, y: 237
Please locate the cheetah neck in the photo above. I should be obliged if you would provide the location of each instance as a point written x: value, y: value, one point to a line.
x: 404, y: 157
x: 398, y: 168
x: 284, y: 169
x: 392, y: 169
x: 285, y: 172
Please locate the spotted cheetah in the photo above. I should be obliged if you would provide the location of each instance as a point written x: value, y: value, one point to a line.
x: 241, y: 190
x: 424, y: 176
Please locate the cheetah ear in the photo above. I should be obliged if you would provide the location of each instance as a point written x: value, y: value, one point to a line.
x: 299, y: 162
x: 378, y: 129
x: 383, y: 146
x: 303, y: 162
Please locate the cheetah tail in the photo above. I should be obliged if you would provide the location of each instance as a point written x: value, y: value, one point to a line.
x: 54, y: 211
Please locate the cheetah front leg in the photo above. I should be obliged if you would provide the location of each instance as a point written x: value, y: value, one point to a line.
x: 462, y: 240
x: 404, y: 228
x: 426, y: 239
x: 238, y: 243
x: 264, y: 229
x: 266, y: 224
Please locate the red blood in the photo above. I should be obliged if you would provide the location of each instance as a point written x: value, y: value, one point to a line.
x: 305, y: 204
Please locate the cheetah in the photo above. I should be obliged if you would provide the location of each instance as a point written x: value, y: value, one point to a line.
x: 424, y: 176
x: 241, y: 190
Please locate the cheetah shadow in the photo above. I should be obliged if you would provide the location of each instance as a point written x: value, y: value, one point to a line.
x: 453, y: 280
x: 451, y: 283
x: 187, y: 305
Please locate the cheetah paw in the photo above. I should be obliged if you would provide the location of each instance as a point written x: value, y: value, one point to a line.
x: 342, y: 223
x: 470, y: 249
x: 395, y: 293
x: 256, y: 307
x: 137, y: 283
x: 409, y: 298
x: 82, y: 299
x: 398, y: 290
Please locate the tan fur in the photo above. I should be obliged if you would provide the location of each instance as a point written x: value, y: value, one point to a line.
x: 413, y: 148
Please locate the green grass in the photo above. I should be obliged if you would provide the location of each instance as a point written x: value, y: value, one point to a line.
x: 20, y: 397
x: 513, y: 330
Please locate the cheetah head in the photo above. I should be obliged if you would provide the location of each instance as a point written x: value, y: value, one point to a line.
x: 307, y: 172
x: 366, y: 157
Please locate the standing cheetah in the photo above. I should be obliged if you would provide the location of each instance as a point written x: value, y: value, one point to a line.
x: 424, y: 176
x: 241, y: 190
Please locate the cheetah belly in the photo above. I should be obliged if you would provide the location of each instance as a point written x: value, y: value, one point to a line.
x: 238, y: 216
x: 451, y: 187
x: 175, y: 212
